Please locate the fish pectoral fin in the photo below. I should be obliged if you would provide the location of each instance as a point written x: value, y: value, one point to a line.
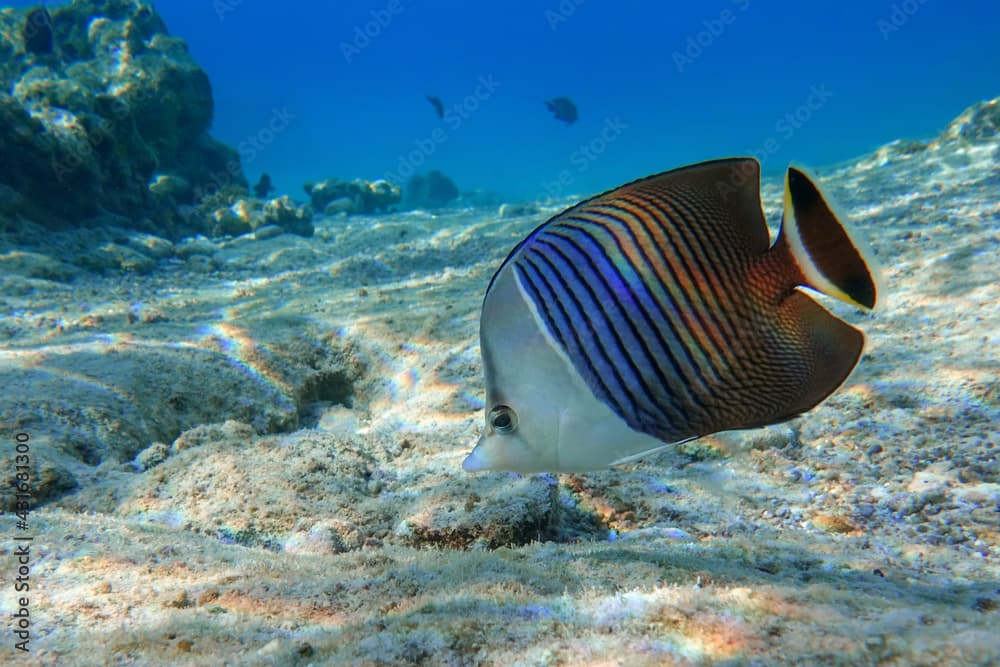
x: 832, y: 346
x: 653, y: 450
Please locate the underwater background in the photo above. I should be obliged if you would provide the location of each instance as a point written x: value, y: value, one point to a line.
x: 679, y: 81
x: 235, y: 409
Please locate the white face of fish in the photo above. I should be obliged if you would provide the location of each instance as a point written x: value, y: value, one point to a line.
x: 522, y: 421
x: 540, y: 415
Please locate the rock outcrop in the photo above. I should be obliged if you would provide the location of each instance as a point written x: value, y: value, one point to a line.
x: 333, y: 195
x: 433, y: 190
x: 94, y: 126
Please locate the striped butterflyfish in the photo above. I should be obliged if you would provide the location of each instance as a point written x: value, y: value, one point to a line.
x: 659, y: 312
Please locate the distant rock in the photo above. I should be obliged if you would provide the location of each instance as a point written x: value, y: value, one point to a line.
x: 35, y: 265
x: 516, y: 210
x: 117, y: 257
x: 247, y: 215
x: 197, y: 245
x: 102, y: 245
x: 288, y: 215
x: 357, y: 196
x: 172, y: 187
x: 343, y: 205
x: 113, y: 117
x: 267, y: 232
x: 433, y: 190
x: 232, y: 221
x: 147, y: 244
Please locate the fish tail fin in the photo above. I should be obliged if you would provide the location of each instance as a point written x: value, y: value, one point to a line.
x: 829, y: 258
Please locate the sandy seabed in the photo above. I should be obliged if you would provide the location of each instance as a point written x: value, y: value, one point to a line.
x: 250, y: 455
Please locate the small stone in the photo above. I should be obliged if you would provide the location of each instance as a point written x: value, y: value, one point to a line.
x: 196, y: 246
x: 832, y: 523
x: 152, y: 246
x: 228, y: 222
x: 517, y: 210
x: 271, y: 648
x: 211, y: 595
x: 339, y: 205
x: 152, y: 456
x: 985, y: 604
x: 200, y: 264
x: 116, y: 257
x: 36, y: 265
x: 267, y: 232
x: 179, y: 601
x: 174, y: 187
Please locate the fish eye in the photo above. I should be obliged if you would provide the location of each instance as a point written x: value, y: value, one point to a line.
x: 503, y: 419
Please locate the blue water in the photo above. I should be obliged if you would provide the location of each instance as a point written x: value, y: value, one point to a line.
x: 311, y: 88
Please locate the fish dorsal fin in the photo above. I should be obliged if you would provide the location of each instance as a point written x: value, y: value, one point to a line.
x: 730, y: 185
x: 724, y: 194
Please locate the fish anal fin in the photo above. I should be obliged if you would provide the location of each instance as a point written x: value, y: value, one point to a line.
x: 832, y: 345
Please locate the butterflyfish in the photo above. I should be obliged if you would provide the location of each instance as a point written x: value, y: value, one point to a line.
x: 659, y: 312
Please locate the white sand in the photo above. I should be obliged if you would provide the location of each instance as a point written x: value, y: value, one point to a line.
x: 314, y: 510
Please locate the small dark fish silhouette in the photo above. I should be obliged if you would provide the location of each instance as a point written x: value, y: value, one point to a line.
x: 564, y: 109
x: 263, y: 186
x: 37, y: 32
x: 437, y: 104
